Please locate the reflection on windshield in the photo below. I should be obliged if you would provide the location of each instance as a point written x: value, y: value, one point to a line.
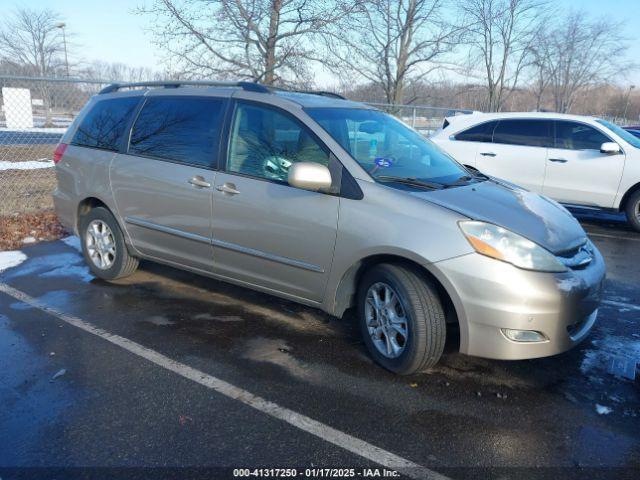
x: 386, y: 148
x: 621, y: 132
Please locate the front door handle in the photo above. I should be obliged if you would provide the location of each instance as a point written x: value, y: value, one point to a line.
x: 488, y: 154
x: 199, y: 182
x: 229, y: 188
x: 558, y: 160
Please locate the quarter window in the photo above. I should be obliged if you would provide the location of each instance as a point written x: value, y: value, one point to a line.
x: 266, y: 142
x: 578, y: 136
x: 181, y: 129
x: 531, y: 133
x: 103, y: 126
x: 479, y: 133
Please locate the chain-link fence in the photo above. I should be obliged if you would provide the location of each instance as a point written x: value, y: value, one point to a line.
x: 424, y: 119
x: 36, y: 112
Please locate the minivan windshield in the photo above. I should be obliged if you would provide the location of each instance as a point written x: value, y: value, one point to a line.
x: 388, y: 149
x: 621, y: 132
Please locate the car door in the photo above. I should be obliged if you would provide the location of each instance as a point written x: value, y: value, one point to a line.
x: 265, y: 232
x: 464, y: 145
x: 518, y: 152
x: 163, y: 185
x: 577, y: 172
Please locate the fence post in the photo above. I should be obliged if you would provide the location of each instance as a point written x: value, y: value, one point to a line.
x: 413, y: 118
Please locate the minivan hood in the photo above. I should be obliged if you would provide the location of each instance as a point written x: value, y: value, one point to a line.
x: 533, y: 216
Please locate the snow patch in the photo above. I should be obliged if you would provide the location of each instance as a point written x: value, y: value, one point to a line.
x: 28, y: 165
x: 11, y: 259
x: 73, y: 242
x: 598, y: 358
x: 603, y: 410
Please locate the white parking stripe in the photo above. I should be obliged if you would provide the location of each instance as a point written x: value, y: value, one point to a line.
x: 628, y: 306
x: 604, y: 235
x: 320, y: 430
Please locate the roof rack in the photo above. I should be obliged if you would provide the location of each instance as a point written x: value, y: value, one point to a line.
x: 319, y: 92
x: 249, y: 86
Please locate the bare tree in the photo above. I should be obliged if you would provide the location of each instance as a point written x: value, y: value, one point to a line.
x: 390, y: 43
x: 500, y: 35
x: 269, y: 41
x: 33, y: 39
x: 579, y: 53
x: 99, y: 69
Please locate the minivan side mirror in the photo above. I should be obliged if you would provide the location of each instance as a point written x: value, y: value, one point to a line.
x: 309, y: 176
x: 610, y: 148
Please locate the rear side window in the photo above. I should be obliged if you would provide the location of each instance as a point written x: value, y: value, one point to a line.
x: 180, y: 129
x: 530, y: 133
x: 479, y: 133
x: 578, y: 136
x: 103, y: 126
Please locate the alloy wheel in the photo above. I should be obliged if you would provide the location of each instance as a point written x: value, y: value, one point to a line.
x: 387, y: 321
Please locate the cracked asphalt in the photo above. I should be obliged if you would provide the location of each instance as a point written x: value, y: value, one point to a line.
x: 575, y: 415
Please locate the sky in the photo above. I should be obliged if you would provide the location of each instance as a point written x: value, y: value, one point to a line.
x: 110, y: 31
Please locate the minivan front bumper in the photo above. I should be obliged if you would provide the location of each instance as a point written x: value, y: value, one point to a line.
x: 492, y: 296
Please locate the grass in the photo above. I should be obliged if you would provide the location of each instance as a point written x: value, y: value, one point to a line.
x: 26, y: 190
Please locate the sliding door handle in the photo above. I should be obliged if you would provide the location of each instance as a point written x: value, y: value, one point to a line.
x: 229, y: 188
x: 558, y: 160
x: 488, y: 154
x: 199, y: 181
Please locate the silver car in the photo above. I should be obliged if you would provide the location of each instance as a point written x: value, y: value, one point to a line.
x: 332, y: 204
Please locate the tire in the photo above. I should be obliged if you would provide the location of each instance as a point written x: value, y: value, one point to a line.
x: 117, y: 263
x: 421, y: 309
x: 632, y: 209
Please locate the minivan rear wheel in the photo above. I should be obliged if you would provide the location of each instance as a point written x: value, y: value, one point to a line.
x: 633, y: 210
x: 103, y: 245
x: 401, y: 318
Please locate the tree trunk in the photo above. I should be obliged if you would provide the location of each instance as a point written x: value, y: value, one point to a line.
x: 270, y: 50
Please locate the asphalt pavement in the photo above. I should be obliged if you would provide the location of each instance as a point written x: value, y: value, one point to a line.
x: 171, y: 375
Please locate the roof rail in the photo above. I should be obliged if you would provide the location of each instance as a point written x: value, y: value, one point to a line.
x: 323, y: 93
x: 249, y: 86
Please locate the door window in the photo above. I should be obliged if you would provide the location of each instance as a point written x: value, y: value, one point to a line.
x: 579, y: 136
x: 103, y: 126
x: 479, y: 133
x: 531, y: 133
x: 265, y: 142
x: 181, y: 129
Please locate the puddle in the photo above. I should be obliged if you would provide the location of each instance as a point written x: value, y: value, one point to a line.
x: 55, y: 299
x: 276, y: 352
x: 158, y: 320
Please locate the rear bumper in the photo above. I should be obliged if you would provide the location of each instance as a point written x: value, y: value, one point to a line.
x: 493, y: 295
x: 65, y: 210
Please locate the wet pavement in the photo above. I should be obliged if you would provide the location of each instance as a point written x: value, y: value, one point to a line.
x: 575, y: 414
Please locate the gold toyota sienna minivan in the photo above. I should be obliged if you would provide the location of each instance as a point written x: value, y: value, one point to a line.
x: 330, y: 203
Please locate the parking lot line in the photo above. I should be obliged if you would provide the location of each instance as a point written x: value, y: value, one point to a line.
x: 628, y: 306
x: 604, y: 235
x: 298, y: 420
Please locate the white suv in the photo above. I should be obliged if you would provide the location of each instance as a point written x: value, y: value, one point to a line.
x: 579, y: 161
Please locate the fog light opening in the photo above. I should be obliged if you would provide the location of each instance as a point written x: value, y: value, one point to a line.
x: 523, y: 336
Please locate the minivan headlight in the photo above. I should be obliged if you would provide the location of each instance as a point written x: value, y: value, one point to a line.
x: 501, y: 244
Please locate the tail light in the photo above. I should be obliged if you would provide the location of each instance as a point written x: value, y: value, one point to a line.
x: 59, y: 152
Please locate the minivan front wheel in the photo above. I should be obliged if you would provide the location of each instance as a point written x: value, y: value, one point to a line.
x: 401, y: 318
x: 103, y: 245
x: 633, y: 210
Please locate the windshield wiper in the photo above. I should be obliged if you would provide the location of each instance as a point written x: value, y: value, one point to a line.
x: 411, y: 181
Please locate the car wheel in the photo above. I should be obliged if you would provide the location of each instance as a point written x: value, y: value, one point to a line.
x: 633, y: 210
x: 103, y: 245
x: 401, y: 318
